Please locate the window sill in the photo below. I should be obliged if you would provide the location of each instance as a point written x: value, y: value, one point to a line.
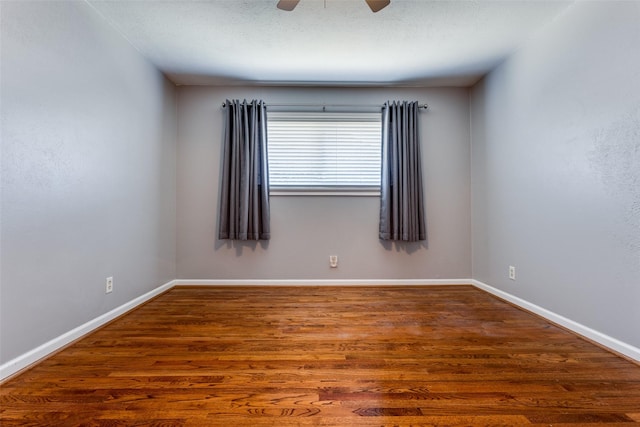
x: 325, y: 191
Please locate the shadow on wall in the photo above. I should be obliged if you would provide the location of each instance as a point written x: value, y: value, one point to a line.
x: 240, y: 245
x: 252, y: 245
x: 407, y: 247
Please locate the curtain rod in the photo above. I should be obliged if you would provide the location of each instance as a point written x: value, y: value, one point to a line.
x: 422, y: 106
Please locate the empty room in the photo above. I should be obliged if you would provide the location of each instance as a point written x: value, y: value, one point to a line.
x: 319, y: 213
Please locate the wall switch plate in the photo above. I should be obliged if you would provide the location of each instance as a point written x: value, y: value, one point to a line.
x: 109, y: 285
x: 512, y: 272
x: 333, y: 261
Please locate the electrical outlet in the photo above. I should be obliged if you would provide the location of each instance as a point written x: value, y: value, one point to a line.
x: 333, y: 261
x: 512, y: 272
x: 109, y: 285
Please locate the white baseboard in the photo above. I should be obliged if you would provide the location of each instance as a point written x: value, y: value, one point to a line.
x: 21, y: 362
x: 31, y: 357
x: 27, y: 359
x: 591, y: 334
x: 322, y: 282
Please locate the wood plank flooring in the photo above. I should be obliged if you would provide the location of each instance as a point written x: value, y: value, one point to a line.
x: 327, y: 356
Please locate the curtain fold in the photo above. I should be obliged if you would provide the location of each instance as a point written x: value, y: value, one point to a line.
x: 402, y: 215
x: 244, y: 198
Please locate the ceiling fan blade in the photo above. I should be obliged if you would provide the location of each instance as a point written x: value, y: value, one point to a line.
x: 288, y: 5
x: 377, y: 5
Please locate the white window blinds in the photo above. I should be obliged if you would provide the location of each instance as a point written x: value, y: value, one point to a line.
x: 324, y: 150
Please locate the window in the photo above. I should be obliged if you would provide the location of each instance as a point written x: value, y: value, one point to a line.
x: 324, y: 152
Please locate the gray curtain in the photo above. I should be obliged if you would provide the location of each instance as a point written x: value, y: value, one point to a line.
x: 401, y: 197
x: 244, y: 191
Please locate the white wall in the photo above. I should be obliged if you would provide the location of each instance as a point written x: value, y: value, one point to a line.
x: 88, y: 172
x: 305, y: 230
x: 556, y: 170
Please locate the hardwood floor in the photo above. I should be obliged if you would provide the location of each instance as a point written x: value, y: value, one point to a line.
x: 327, y: 356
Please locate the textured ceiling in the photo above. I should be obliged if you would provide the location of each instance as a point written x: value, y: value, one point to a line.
x: 327, y: 41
